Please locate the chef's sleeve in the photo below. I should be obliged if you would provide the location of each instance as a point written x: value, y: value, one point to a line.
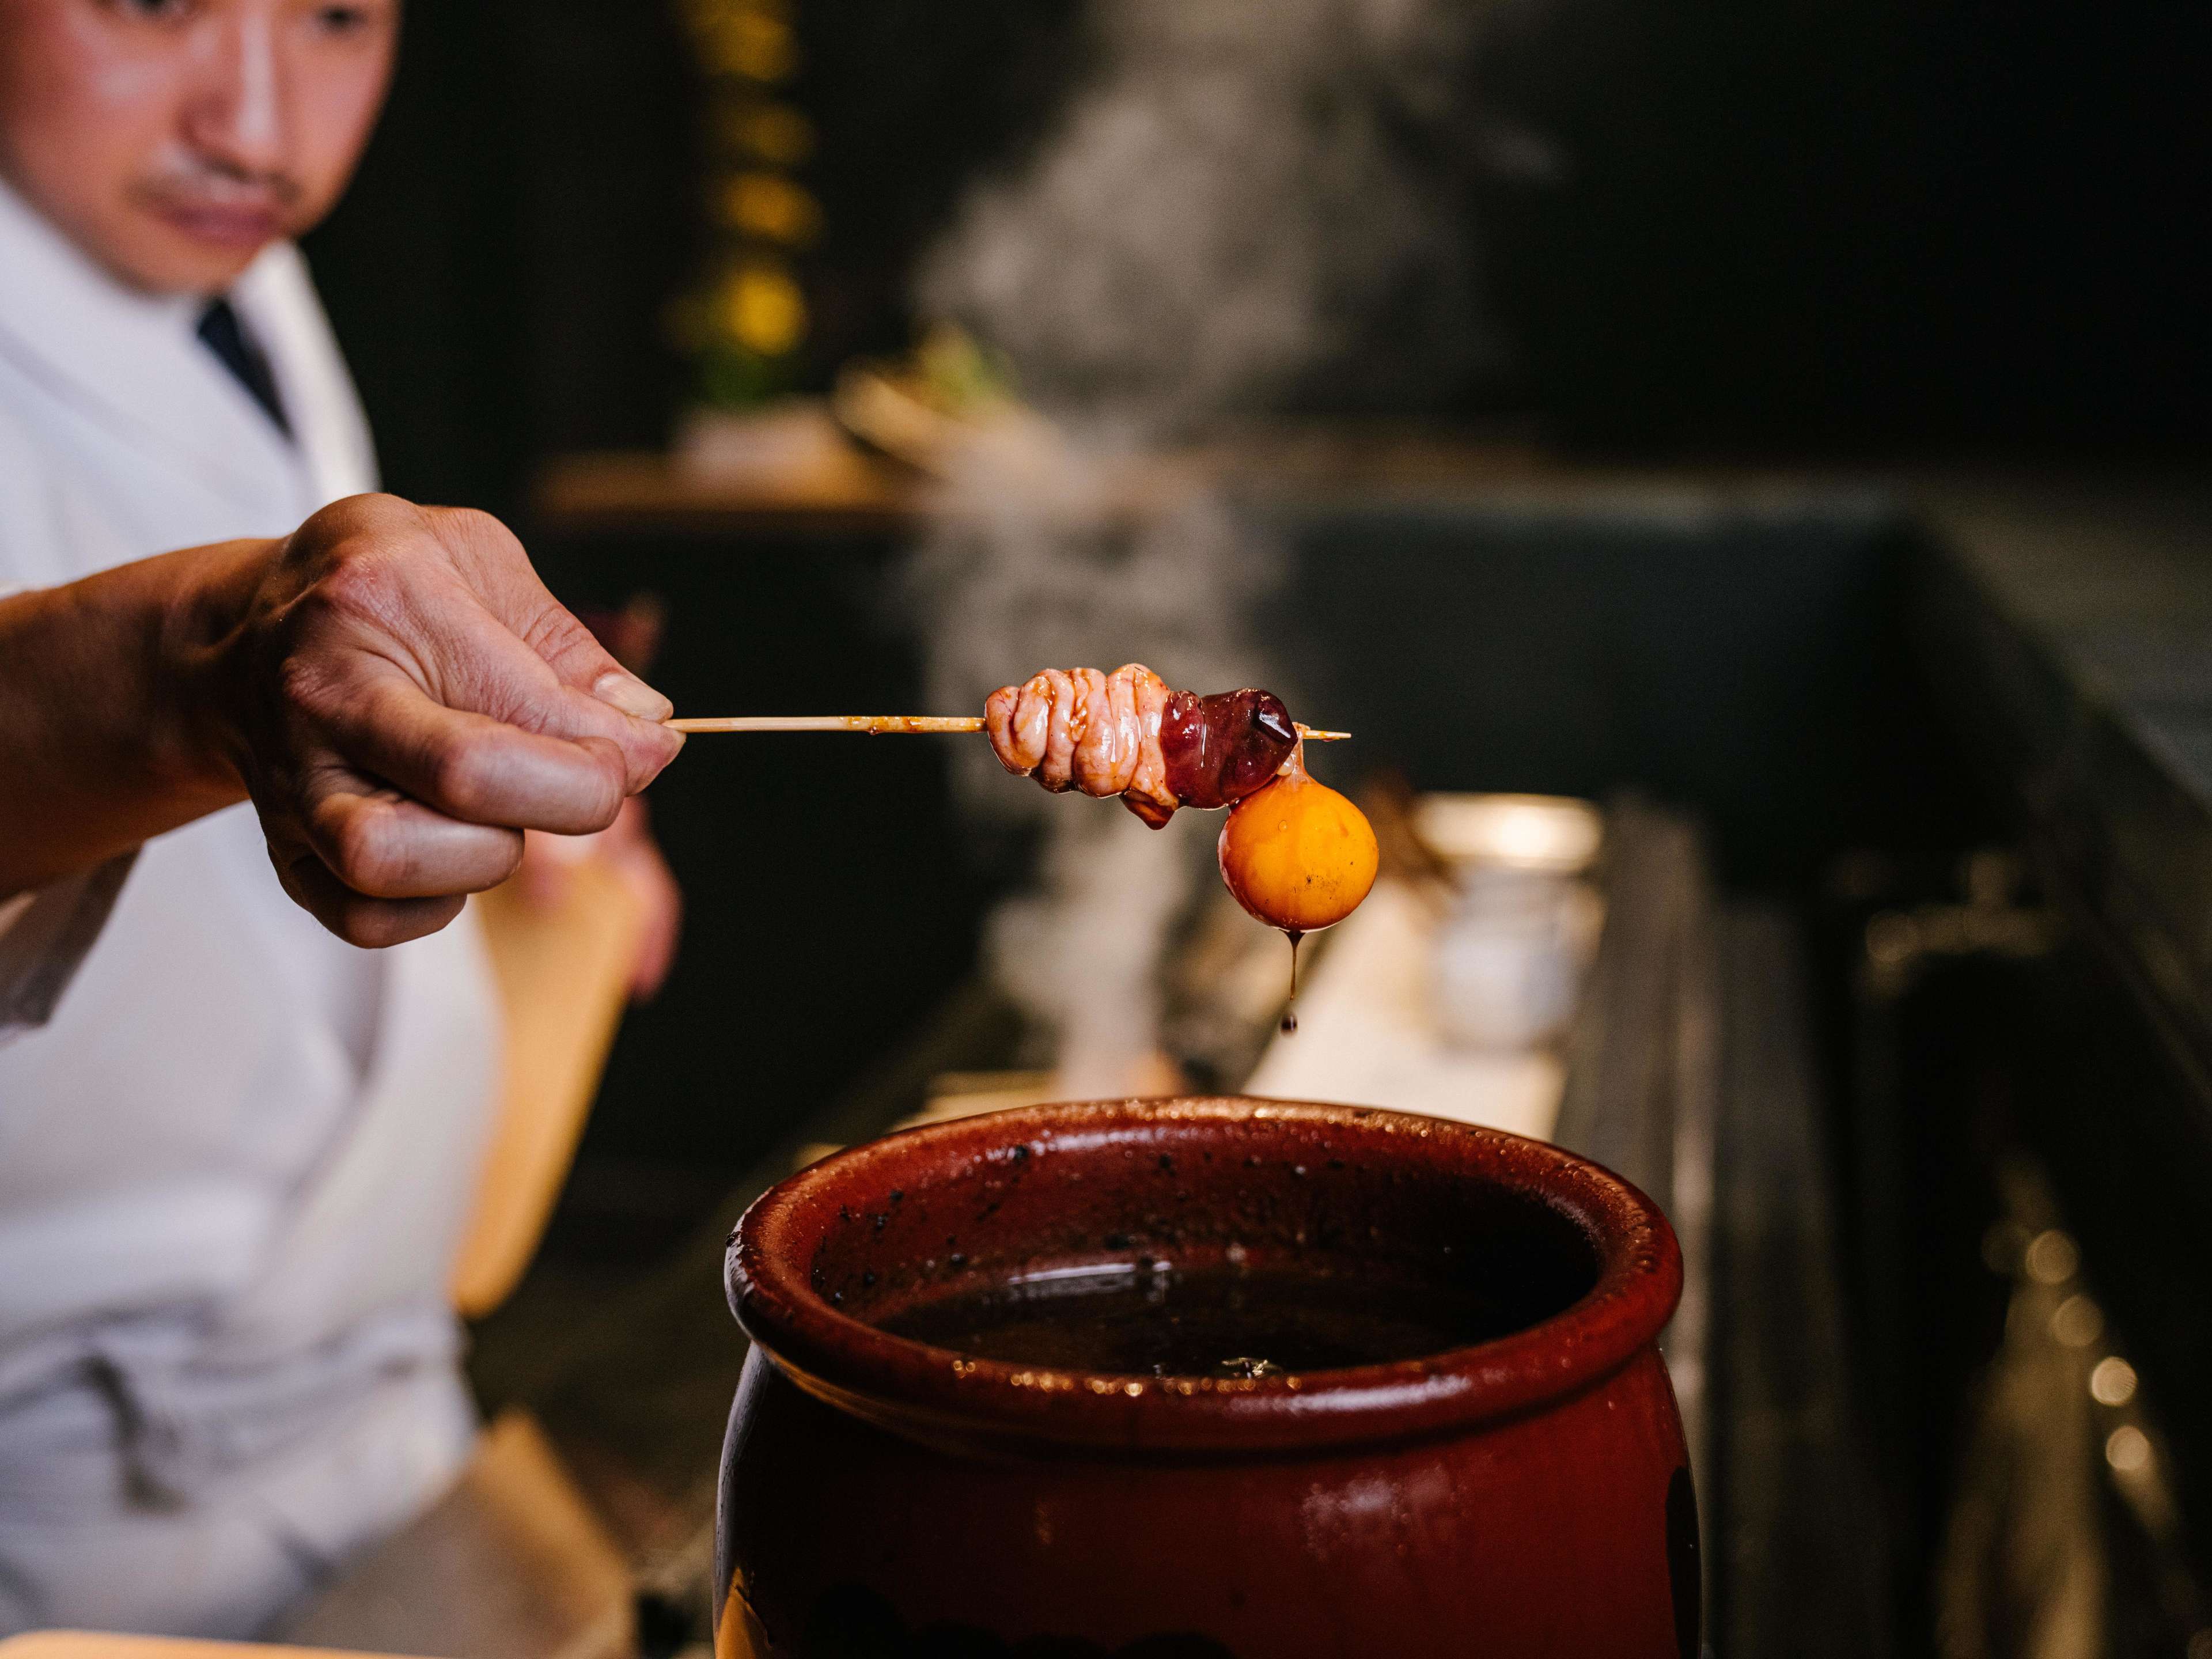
x: 46, y: 932
x: 44, y: 936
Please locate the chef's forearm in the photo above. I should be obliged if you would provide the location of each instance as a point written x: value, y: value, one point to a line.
x: 105, y: 735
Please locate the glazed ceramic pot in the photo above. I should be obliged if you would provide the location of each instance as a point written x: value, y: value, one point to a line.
x: 1528, y: 1495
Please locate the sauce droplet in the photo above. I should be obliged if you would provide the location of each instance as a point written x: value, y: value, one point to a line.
x: 1291, y: 1005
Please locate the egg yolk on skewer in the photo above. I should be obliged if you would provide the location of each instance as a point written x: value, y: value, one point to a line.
x: 1294, y: 852
x: 1298, y: 855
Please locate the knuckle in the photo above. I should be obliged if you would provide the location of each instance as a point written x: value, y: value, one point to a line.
x: 368, y: 507
x: 326, y: 524
x: 359, y: 927
x: 326, y: 534
x: 592, y: 808
x: 602, y: 791
x: 368, y: 855
x: 461, y: 774
x: 363, y: 576
x: 509, y: 860
x: 482, y: 534
x: 554, y: 632
x: 375, y: 925
x: 474, y: 522
x: 607, y: 806
x: 375, y: 506
x: 302, y: 682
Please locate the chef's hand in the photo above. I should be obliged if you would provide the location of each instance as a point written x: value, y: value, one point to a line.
x: 402, y: 699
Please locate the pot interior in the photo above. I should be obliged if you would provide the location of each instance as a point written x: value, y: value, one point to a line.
x: 1218, y: 1247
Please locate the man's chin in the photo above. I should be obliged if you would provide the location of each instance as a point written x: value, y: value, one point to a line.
x: 162, y: 256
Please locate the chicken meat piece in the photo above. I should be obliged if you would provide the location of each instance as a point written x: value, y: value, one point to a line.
x: 1147, y: 792
x: 1081, y: 729
x: 1103, y: 733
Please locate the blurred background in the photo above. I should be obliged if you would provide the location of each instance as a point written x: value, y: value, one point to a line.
x: 1737, y: 471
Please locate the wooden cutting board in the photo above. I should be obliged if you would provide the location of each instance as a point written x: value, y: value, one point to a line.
x: 91, y: 1645
x: 563, y: 973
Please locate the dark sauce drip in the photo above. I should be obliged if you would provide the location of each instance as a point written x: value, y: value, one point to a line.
x: 1136, y: 1321
x: 1291, y: 1004
x: 1221, y: 748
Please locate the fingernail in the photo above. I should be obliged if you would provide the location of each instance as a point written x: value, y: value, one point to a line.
x: 632, y: 696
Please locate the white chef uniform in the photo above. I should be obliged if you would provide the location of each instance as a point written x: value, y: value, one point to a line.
x: 235, y: 1153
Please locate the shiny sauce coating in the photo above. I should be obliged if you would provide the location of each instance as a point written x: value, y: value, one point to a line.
x: 1221, y: 748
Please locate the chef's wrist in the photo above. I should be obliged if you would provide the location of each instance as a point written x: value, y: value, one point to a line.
x: 196, y: 733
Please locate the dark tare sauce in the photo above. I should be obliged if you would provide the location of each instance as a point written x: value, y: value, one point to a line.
x: 1218, y: 750
x: 1213, y: 1321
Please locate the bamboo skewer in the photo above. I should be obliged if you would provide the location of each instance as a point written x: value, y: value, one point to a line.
x: 871, y: 723
x: 876, y: 724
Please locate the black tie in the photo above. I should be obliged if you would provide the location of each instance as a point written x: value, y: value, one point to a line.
x: 223, y: 334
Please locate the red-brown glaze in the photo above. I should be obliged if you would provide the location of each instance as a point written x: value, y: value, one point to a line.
x: 1519, y: 1489
x: 1221, y: 748
x: 1127, y: 734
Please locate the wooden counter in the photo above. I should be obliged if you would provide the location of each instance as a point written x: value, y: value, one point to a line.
x: 95, y: 1644
x: 853, y: 491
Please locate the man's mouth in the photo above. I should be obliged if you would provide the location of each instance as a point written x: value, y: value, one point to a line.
x: 232, y: 225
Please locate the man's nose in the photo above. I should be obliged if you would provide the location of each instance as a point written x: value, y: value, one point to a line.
x: 239, y: 118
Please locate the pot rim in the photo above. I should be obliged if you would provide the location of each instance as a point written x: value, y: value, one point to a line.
x: 906, y: 1385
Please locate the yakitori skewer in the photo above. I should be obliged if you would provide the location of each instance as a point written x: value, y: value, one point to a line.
x: 1127, y: 734
x: 1295, y: 853
x: 877, y: 724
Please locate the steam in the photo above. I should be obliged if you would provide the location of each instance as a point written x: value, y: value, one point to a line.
x: 1257, y: 203
x: 1041, y: 571
x: 1252, y: 208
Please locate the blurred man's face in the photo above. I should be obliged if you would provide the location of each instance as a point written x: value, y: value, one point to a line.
x: 173, y: 140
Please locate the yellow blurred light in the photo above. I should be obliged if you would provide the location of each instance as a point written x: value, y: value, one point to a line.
x: 2052, y: 1257
x: 1891, y: 939
x: 2128, y: 1449
x: 775, y: 133
x: 2077, y: 1322
x: 751, y: 45
x: 705, y: 17
x: 763, y: 309
x: 2113, y: 1382
x: 772, y: 208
